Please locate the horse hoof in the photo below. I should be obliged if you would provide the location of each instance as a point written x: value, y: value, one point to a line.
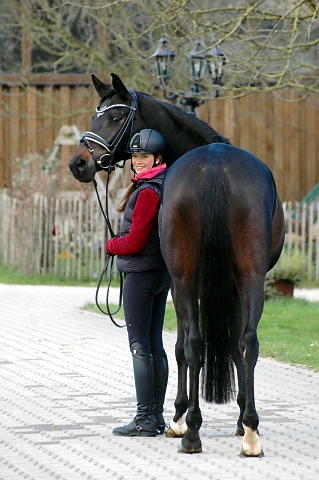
x: 190, y: 449
x: 251, y: 445
x: 246, y: 455
x: 177, y: 429
x: 170, y: 433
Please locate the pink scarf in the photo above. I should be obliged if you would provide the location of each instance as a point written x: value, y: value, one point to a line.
x: 150, y: 173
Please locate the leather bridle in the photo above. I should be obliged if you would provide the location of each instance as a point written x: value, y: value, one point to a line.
x: 89, y: 136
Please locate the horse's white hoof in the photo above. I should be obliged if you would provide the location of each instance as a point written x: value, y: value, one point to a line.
x: 251, y: 446
x: 177, y: 429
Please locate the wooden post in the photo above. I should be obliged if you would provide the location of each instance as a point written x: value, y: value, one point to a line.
x: 303, y: 229
x: 62, y: 237
x: 68, y: 237
x: 92, y: 237
x: 296, y: 226
x: 50, y: 234
x: 310, y: 240
x: 317, y: 244
x: 289, y: 215
x: 56, y: 243
x: 80, y: 234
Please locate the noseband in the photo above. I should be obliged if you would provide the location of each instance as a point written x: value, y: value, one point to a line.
x: 89, y: 137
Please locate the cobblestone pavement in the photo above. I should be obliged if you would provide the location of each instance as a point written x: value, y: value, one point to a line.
x: 66, y: 381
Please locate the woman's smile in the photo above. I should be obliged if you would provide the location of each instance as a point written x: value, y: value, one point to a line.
x: 142, y: 161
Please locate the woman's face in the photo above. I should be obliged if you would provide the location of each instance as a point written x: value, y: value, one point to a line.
x: 142, y: 161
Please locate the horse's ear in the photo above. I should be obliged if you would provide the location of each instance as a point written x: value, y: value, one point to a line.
x: 119, y: 86
x: 99, y: 86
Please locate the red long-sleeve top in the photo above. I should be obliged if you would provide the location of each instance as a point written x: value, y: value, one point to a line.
x: 143, y: 217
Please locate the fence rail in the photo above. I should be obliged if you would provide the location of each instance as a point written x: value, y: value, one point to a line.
x: 65, y: 237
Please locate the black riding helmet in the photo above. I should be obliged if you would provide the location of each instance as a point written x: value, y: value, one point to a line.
x: 147, y: 141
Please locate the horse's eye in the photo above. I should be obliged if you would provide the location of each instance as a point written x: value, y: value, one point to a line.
x: 116, y: 119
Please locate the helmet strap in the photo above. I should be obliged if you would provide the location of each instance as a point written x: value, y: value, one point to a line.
x: 132, y: 168
x: 156, y: 155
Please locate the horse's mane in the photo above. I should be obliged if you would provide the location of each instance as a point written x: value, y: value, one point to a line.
x: 191, y: 122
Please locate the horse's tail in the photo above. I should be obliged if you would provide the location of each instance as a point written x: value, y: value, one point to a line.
x: 217, y: 288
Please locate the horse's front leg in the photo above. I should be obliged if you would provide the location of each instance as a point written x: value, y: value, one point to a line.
x: 178, y: 425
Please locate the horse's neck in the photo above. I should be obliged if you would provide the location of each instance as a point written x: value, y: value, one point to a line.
x: 183, y: 132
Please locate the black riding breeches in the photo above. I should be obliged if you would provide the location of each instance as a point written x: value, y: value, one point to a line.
x: 144, y: 301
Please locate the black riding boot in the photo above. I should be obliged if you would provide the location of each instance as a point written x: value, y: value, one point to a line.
x: 144, y: 424
x: 160, y: 364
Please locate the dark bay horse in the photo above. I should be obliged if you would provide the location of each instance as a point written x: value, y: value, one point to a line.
x: 221, y: 230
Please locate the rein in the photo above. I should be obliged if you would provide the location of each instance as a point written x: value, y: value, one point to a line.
x: 109, y: 258
x: 86, y: 138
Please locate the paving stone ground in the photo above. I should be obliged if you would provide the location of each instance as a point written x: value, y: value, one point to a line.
x: 66, y: 381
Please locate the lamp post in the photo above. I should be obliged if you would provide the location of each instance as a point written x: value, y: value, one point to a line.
x: 199, y: 62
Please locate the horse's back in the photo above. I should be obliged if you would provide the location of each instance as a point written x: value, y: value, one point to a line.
x: 251, y: 200
x: 251, y: 189
x: 242, y: 169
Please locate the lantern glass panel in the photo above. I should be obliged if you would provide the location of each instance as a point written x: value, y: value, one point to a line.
x: 197, y: 68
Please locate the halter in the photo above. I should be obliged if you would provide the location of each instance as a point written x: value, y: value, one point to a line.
x: 89, y: 137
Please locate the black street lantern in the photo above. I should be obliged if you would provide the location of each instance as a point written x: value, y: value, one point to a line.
x: 216, y: 59
x: 164, y: 58
x: 197, y: 61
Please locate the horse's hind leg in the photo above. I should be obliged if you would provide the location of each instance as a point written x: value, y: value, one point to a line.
x: 241, y: 396
x: 252, y: 301
x: 178, y: 425
x: 189, y: 355
x: 187, y: 306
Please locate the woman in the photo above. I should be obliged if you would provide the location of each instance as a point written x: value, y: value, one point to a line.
x: 146, y: 284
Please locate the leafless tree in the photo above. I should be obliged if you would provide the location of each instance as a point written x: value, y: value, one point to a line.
x: 270, y: 44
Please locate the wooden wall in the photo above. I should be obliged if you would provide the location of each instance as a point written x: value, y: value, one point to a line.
x: 31, y: 118
x: 280, y: 128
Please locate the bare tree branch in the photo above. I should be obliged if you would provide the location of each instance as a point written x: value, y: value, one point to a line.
x: 270, y: 44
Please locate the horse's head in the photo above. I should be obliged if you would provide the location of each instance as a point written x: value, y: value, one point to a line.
x: 111, y: 127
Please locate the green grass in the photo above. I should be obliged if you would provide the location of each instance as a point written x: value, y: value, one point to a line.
x: 13, y: 276
x: 288, y: 330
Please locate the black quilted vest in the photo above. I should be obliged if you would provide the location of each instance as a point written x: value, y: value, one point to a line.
x: 150, y: 258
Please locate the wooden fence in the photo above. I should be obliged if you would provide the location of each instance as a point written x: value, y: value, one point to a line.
x: 302, y: 233
x: 59, y: 237
x: 281, y: 128
x: 65, y: 237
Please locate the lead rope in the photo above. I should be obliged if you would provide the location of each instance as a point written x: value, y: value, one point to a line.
x: 109, y: 258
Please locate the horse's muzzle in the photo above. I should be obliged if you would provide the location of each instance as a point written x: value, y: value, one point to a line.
x: 81, y: 169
